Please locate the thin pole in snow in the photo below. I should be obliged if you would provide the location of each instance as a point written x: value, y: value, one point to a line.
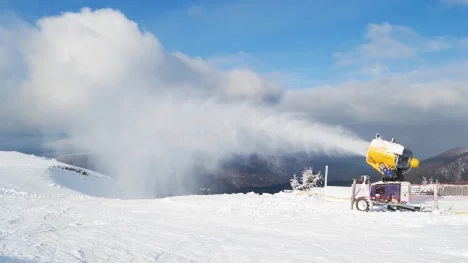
x: 353, y: 193
x: 436, y: 196
x: 326, y: 178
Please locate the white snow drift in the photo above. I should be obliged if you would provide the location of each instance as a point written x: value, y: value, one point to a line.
x: 56, y: 215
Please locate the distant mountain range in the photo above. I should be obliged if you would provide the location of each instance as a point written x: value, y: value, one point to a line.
x: 257, y: 172
x: 261, y: 173
x: 449, y: 166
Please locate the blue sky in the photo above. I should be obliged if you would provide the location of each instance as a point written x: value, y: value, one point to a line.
x: 295, y: 40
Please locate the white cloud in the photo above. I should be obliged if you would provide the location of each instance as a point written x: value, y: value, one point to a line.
x: 391, y: 42
x: 425, y: 109
x: 377, y: 69
x: 383, y: 43
x: 115, y: 90
x: 392, y: 100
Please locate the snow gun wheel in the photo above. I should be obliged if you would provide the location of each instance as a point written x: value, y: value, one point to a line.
x: 363, y: 204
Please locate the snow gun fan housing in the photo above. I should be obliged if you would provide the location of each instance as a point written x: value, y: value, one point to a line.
x: 392, y: 160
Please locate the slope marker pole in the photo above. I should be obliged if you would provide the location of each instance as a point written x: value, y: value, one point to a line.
x: 326, y: 178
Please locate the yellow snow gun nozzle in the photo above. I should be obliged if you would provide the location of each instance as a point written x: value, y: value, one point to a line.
x: 414, y: 163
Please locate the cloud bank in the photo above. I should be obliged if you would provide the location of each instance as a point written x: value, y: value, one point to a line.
x: 401, y: 84
x: 104, y: 86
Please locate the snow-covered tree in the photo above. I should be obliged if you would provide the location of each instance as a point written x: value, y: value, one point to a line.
x: 294, y: 182
x: 309, y: 180
x: 204, y: 191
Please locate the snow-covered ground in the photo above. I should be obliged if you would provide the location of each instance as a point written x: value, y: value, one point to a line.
x: 57, y: 215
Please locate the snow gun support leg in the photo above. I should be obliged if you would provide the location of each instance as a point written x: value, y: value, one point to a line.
x: 360, y: 194
x: 353, y: 193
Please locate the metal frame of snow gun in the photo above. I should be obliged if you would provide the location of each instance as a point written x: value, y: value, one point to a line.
x: 394, y: 195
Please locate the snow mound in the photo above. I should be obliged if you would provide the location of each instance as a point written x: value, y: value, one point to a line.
x: 29, y: 175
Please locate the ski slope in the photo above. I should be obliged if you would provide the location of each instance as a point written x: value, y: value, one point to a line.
x: 56, y: 215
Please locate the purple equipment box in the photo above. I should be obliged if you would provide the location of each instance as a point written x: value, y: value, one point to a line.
x: 386, y: 192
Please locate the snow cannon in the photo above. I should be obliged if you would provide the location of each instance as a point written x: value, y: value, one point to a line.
x: 391, y: 159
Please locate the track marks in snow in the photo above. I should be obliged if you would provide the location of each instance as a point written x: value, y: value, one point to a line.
x: 236, y: 228
x: 11, y: 193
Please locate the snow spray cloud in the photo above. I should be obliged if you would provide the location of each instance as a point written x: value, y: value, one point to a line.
x: 151, y: 114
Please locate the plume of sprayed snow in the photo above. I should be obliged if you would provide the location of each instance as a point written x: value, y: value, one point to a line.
x: 151, y: 114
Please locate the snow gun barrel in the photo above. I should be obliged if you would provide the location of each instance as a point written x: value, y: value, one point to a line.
x: 390, y: 159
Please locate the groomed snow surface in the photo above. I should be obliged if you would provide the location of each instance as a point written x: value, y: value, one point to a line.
x: 56, y: 215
